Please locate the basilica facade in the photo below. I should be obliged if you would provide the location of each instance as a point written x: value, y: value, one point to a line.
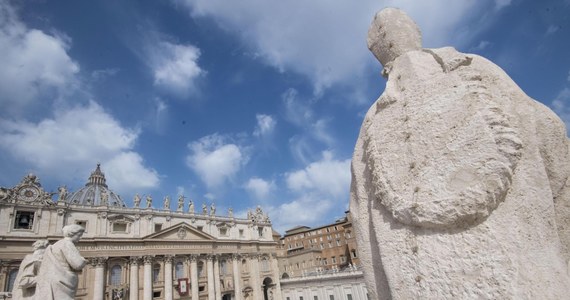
x: 142, y: 252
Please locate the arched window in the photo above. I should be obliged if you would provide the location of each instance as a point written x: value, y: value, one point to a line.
x: 179, y: 270
x: 200, y: 269
x: 155, y: 272
x: 223, y: 267
x: 11, y: 278
x: 115, y: 275
x: 244, y: 266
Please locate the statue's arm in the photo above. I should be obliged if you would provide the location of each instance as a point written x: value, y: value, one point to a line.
x: 28, y: 278
x: 73, y: 257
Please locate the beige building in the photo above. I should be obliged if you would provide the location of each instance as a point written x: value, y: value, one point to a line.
x: 142, y: 252
x: 330, y: 247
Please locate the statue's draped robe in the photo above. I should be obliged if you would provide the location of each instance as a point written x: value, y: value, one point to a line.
x: 460, y: 185
x: 25, y: 283
x: 57, y: 279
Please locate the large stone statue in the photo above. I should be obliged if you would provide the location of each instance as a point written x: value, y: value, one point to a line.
x: 137, y: 200
x: 57, y: 279
x: 460, y: 181
x: 26, y: 281
x: 167, y: 203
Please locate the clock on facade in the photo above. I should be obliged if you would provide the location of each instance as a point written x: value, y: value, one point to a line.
x: 28, y: 194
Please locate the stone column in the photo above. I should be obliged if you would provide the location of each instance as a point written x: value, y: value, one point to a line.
x: 194, y: 276
x: 255, y: 280
x: 275, y: 267
x: 147, y: 283
x: 99, y: 280
x: 211, y: 289
x: 134, y: 280
x: 168, y: 277
x: 217, y: 285
x: 237, y: 276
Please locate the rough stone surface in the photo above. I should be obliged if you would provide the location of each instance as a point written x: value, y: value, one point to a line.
x: 460, y: 181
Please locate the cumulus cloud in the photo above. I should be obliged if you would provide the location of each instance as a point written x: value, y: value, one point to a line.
x: 307, y: 38
x: 214, y: 159
x: 265, y: 125
x: 298, y: 212
x: 69, y: 145
x: 259, y: 188
x: 33, y: 63
x: 560, y: 106
x: 175, y: 68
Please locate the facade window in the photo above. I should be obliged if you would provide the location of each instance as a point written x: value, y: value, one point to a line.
x: 333, y: 259
x: 324, y: 261
x: 331, y: 297
x: 260, y: 231
x: 157, y: 227
x: 264, y: 265
x: 11, y: 279
x: 201, y: 228
x: 179, y: 270
x: 353, y: 253
x: 223, y: 231
x: 223, y: 267
x: 330, y: 244
x: 342, y: 259
x: 338, y: 242
x: 315, y: 298
x: 241, y: 233
x: 348, y: 297
x: 115, y: 274
x: 119, y: 227
x: 82, y: 223
x: 301, y: 298
x: 200, y: 269
x: 24, y: 220
x: 155, y: 273
x: 244, y: 266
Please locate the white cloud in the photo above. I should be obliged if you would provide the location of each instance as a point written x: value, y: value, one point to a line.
x: 265, y: 125
x: 499, y: 4
x: 327, y: 176
x: 175, y: 68
x: 560, y: 106
x: 552, y: 29
x: 259, y: 188
x: 481, y: 46
x: 307, y: 37
x: 300, y: 212
x: 34, y: 63
x: 69, y: 145
x: 214, y: 160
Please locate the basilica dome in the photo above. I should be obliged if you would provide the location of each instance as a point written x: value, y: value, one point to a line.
x: 95, y: 192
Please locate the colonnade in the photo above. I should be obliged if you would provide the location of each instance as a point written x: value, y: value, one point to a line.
x: 211, y: 264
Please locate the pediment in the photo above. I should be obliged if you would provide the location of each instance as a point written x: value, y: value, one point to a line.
x: 180, y: 231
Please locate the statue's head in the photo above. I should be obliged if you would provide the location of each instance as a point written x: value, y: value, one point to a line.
x: 40, y: 244
x: 393, y: 33
x: 73, y: 231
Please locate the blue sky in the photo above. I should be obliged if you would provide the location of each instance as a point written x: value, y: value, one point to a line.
x: 241, y: 103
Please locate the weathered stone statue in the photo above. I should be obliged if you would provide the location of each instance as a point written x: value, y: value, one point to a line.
x: 148, y: 201
x: 62, y: 193
x: 25, y: 283
x: 167, y: 202
x: 460, y: 181
x: 213, y: 209
x: 137, y: 200
x: 57, y: 279
x: 180, y: 203
x: 191, y: 206
x: 204, y: 208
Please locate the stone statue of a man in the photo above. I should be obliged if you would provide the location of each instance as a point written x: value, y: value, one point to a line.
x: 460, y: 181
x: 57, y: 278
x: 26, y: 281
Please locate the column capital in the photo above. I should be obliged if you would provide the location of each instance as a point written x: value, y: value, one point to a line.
x: 209, y: 257
x: 148, y: 259
x: 134, y: 260
x: 168, y: 258
x: 98, y: 261
x: 236, y: 256
x: 192, y: 257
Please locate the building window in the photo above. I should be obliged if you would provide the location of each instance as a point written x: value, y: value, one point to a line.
x: 119, y: 227
x: 179, y: 270
x: 155, y: 273
x: 324, y: 261
x: 342, y: 259
x: 331, y: 297
x: 223, y: 231
x: 200, y: 269
x: 115, y: 275
x: 260, y: 231
x: 338, y: 242
x: 315, y: 298
x: 223, y: 267
x: 156, y: 294
x: 82, y: 223
x: 348, y: 297
x: 333, y: 259
x: 201, y: 228
x: 301, y: 298
x: 11, y: 279
x: 264, y: 265
x: 157, y: 227
x: 24, y: 220
x: 353, y: 253
x: 241, y: 233
x: 244, y: 265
